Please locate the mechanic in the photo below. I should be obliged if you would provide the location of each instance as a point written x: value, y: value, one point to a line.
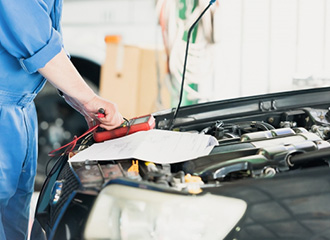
x: 31, y: 51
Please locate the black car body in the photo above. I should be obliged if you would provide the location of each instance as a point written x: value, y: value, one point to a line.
x: 268, y: 178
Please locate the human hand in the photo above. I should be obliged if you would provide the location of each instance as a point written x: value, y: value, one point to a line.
x: 112, y: 117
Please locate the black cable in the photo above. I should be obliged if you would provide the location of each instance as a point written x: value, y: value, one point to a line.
x: 185, y: 62
x: 128, y: 125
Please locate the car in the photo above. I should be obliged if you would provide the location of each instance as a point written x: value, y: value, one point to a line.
x: 268, y: 178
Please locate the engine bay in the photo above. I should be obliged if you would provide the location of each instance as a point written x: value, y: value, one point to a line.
x: 261, y: 146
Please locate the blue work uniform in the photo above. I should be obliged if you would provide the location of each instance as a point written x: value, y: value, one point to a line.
x: 29, y: 38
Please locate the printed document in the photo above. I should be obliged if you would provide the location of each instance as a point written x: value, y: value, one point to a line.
x: 158, y: 146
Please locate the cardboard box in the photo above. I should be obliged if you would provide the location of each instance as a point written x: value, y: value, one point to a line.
x: 129, y: 77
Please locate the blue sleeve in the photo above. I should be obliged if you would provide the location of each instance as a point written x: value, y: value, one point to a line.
x: 26, y: 32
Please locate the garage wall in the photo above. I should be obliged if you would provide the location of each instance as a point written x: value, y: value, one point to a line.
x: 263, y: 45
x: 86, y: 22
x: 271, y: 45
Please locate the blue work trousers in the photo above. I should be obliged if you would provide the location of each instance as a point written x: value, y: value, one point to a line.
x: 18, y: 162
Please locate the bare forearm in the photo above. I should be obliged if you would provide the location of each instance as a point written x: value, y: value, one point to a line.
x: 61, y: 73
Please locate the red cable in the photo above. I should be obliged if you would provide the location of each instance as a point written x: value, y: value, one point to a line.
x: 73, y: 142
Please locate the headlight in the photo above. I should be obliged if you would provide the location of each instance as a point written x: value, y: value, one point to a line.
x: 122, y: 212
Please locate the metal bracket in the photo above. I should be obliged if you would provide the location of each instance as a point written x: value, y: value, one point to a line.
x: 266, y: 106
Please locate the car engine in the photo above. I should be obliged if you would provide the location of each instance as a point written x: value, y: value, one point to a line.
x: 261, y: 148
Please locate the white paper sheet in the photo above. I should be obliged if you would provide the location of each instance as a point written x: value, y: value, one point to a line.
x: 158, y: 146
